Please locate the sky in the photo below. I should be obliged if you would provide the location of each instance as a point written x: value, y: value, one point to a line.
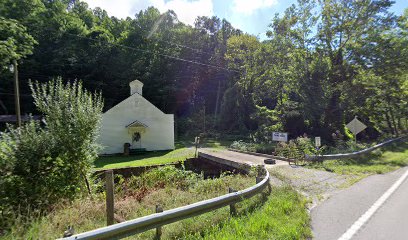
x: 251, y: 16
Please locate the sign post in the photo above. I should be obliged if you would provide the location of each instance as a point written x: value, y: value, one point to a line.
x: 355, y: 126
x: 196, y: 142
x: 318, y: 142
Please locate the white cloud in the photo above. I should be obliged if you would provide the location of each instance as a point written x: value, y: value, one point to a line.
x: 247, y: 7
x: 186, y: 10
x: 117, y: 8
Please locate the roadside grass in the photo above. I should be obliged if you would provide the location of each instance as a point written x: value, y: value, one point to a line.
x: 135, y: 197
x: 144, y: 159
x: 279, y: 215
x: 380, y: 161
x: 283, y: 216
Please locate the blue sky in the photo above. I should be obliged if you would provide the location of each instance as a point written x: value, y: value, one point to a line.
x: 252, y: 16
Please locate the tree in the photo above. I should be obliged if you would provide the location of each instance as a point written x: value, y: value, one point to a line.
x: 343, y: 24
x: 40, y: 165
x: 316, y: 69
x: 382, y: 74
x: 15, y: 42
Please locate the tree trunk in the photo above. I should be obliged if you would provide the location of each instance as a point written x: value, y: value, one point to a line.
x: 399, y: 123
x: 387, y: 118
x: 394, y: 124
x: 217, y: 103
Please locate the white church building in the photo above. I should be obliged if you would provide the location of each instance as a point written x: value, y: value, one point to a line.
x: 137, y: 122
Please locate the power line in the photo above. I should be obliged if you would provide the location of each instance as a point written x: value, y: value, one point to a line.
x: 161, y: 54
x: 184, y: 46
x: 12, y: 94
x: 34, y: 75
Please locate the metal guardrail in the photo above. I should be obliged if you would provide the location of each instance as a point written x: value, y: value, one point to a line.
x: 138, y: 225
x: 350, y: 155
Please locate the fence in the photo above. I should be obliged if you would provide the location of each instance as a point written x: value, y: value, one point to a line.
x: 131, y: 227
x: 350, y: 155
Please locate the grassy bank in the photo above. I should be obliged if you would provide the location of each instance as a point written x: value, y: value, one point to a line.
x: 184, y: 149
x: 135, y: 197
x: 283, y: 216
x: 280, y: 215
x: 380, y: 161
x: 144, y: 159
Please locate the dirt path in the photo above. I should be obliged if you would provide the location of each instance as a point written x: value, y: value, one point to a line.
x: 315, y: 184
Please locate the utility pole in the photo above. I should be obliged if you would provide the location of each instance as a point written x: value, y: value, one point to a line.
x: 16, y: 93
x: 204, y: 116
x: 217, y: 102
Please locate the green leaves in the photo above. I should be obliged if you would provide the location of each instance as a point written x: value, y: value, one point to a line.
x: 41, y: 164
x: 15, y: 42
x: 323, y: 63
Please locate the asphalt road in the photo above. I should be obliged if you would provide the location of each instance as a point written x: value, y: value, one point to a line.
x: 391, y: 220
x: 333, y: 217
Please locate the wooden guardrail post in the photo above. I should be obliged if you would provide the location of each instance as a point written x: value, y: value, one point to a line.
x: 258, y: 175
x: 233, y: 210
x: 196, y: 142
x: 110, y: 215
x: 159, y: 209
x: 258, y: 179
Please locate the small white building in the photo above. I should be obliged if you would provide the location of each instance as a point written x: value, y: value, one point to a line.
x: 138, y: 122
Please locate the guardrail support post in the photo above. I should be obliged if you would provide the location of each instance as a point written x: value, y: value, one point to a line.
x: 233, y: 210
x: 109, y: 197
x: 258, y: 179
x: 159, y: 209
x: 259, y: 174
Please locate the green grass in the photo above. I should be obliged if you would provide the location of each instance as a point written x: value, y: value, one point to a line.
x: 280, y: 215
x: 283, y: 216
x: 184, y: 149
x: 378, y: 162
x: 216, y: 143
x: 144, y: 159
x: 206, y: 142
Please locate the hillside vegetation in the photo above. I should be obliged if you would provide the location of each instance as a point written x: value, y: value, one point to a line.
x: 323, y: 63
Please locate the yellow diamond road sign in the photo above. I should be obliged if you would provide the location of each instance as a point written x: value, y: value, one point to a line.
x: 355, y: 126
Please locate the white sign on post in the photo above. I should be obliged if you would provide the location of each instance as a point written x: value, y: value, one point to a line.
x: 355, y: 126
x: 281, y: 137
x: 318, y: 141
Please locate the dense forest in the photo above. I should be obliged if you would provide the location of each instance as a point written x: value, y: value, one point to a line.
x: 323, y: 63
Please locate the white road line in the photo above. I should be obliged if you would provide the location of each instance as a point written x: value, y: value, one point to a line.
x: 364, y: 218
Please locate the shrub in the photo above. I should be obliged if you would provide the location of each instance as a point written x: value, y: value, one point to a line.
x: 243, y: 146
x: 345, y: 146
x: 40, y: 165
x: 158, y: 178
x: 267, y: 148
x: 298, y: 148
